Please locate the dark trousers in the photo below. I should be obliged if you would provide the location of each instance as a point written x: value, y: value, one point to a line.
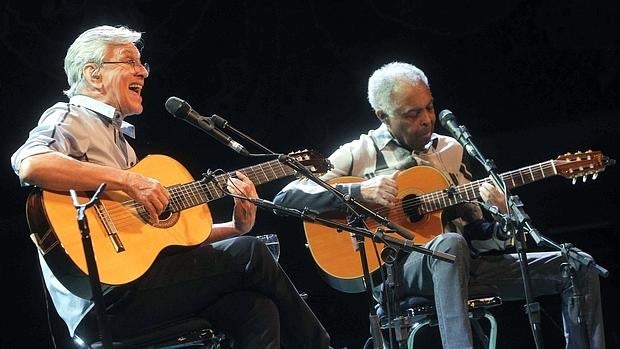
x: 235, y: 284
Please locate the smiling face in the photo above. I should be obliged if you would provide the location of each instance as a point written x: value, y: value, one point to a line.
x: 117, y: 81
x: 413, y: 120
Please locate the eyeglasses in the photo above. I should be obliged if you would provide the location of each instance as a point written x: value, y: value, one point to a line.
x: 133, y: 63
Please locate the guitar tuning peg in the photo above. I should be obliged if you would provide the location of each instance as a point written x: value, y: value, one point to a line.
x: 595, y: 175
x: 574, y: 180
x: 585, y: 178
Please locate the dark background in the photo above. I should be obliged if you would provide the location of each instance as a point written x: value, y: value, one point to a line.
x: 530, y: 79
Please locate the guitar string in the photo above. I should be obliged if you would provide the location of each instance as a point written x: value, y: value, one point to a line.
x: 178, y: 197
x: 194, y: 193
x: 431, y: 202
x: 179, y: 193
x: 435, y: 200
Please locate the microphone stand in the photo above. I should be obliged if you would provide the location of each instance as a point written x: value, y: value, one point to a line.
x: 359, y: 233
x: 570, y: 254
x: 222, y: 123
x: 517, y: 223
x: 91, y: 263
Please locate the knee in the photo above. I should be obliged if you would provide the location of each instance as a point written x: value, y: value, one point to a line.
x: 451, y: 242
x: 454, y: 244
x: 253, y: 245
x: 268, y: 311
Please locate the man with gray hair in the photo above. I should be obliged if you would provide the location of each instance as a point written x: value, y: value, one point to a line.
x: 83, y: 143
x: 400, y: 96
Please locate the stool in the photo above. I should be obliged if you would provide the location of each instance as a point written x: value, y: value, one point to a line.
x: 417, y: 312
x: 185, y: 333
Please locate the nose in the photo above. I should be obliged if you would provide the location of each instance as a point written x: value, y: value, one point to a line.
x: 426, y: 119
x: 143, y: 70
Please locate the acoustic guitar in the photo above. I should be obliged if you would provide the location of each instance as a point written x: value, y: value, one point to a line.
x: 423, y: 193
x: 124, y: 241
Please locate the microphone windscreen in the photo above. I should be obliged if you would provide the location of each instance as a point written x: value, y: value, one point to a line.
x: 174, y: 106
x: 445, y: 116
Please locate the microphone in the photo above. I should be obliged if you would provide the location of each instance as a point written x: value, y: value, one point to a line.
x: 180, y: 109
x: 448, y: 120
x: 219, y: 121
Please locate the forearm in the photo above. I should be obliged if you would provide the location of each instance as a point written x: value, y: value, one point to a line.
x: 222, y: 231
x: 304, y: 195
x: 56, y: 171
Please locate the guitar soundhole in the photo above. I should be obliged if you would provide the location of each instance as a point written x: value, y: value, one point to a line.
x: 411, y: 207
x: 166, y: 219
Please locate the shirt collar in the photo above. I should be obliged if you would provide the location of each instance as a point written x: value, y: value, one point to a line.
x: 382, y: 137
x: 107, y: 111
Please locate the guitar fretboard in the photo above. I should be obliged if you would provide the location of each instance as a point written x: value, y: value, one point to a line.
x: 191, y: 194
x: 467, y: 192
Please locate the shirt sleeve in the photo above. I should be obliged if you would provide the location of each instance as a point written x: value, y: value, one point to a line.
x: 306, y: 194
x: 56, y: 131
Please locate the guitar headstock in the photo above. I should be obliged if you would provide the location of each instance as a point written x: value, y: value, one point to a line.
x: 582, y: 164
x: 312, y: 160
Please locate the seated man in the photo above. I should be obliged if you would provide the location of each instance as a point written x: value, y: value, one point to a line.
x: 82, y: 143
x: 400, y: 97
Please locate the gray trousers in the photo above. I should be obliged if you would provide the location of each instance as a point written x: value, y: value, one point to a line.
x: 449, y: 284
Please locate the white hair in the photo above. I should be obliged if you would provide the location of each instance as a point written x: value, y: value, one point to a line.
x: 382, y: 82
x: 90, y: 47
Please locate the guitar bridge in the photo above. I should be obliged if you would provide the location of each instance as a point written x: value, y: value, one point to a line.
x: 109, y: 227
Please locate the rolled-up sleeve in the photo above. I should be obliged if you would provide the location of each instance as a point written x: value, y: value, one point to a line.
x: 55, y: 132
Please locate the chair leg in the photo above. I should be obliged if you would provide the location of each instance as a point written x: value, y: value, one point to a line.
x: 490, y: 340
x: 480, y: 333
x: 493, y: 331
x: 414, y: 329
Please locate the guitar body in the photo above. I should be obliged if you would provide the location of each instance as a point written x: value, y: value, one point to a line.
x: 336, y: 253
x: 141, y: 240
x: 125, y: 244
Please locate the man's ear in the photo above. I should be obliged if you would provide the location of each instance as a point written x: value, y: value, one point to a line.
x: 381, y: 115
x: 91, y: 72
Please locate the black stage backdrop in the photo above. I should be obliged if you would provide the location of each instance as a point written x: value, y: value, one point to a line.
x: 530, y: 79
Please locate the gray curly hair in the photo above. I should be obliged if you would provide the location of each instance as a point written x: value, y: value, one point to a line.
x: 90, y: 47
x: 382, y: 82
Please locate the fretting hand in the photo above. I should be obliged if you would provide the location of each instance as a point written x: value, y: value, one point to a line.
x: 493, y: 196
x: 244, y: 213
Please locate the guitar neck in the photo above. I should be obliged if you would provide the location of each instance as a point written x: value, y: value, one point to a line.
x: 470, y: 191
x: 202, y: 191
